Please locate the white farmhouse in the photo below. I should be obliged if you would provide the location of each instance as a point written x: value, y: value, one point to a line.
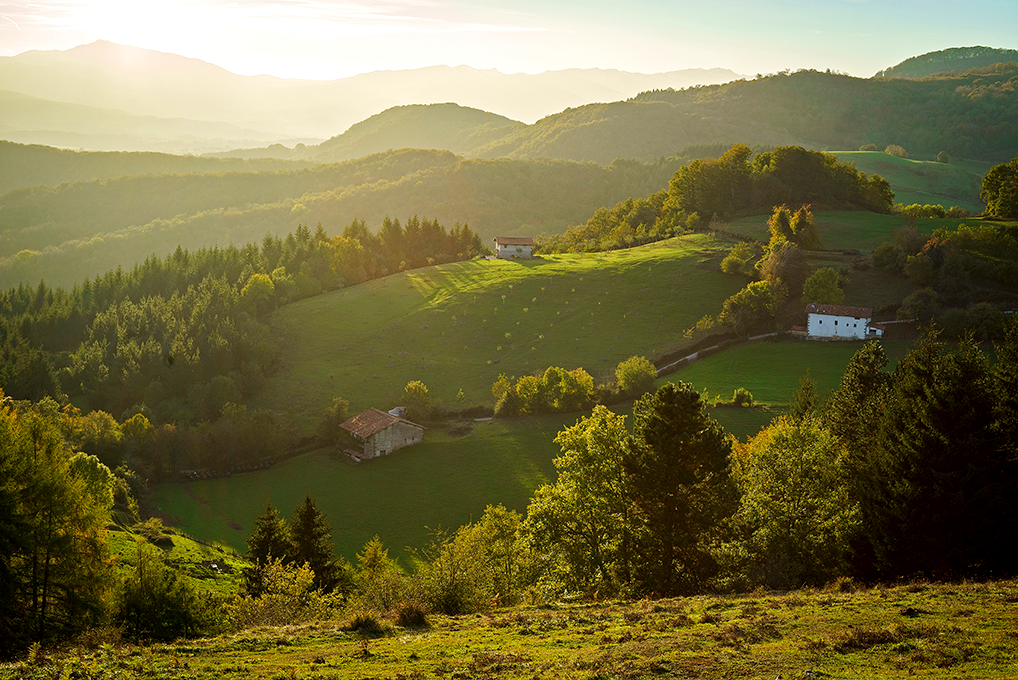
x: 841, y: 322
x: 513, y: 247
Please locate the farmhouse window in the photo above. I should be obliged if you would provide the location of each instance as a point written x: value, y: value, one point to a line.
x: 835, y: 322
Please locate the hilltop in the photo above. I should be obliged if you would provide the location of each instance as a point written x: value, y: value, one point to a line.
x: 952, y: 59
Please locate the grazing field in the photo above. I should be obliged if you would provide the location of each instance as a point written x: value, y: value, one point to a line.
x: 928, y: 630
x: 444, y: 482
x: 457, y: 326
x: 843, y: 229
x: 772, y: 370
x: 924, y: 182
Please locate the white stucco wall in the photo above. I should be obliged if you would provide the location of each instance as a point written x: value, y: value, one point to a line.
x: 831, y: 326
x: 512, y: 252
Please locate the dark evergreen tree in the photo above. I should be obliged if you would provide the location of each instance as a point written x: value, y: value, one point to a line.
x: 270, y: 539
x: 311, y: 543
x: 939, y: 485
x: 805, y: 404
x: 678, y: 468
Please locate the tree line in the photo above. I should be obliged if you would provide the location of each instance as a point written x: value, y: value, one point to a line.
x: 737, y: 183
x: 178, y: 342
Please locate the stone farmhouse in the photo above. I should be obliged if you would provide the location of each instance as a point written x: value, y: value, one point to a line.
x: 513, y: 248
x: 841, y: 322
x: 381, y: 433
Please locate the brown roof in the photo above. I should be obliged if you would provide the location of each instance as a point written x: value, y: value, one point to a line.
x: 840, y: 310
x: 513, y: 241
x: 371, y: 421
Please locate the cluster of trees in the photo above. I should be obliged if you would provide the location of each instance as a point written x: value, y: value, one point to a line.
x: 782, y: 273
x: 1000, y: 190
x: 560, y: 391
x: 168, y: 350
x: 736, y: 183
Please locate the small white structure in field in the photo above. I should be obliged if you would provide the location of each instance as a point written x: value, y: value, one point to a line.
x: 513, y: 248
x: 381, y: 433
x: 841, y: 322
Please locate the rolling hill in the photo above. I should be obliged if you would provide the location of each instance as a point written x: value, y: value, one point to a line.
x: 24, y: 165
x: 966, y: 115
x: 67, y: 232
x: 952, y: 59
x: 138, y: 82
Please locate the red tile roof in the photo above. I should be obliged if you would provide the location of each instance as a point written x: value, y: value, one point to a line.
x: 840, y: 310
x: 513, y: 241
x: 371, y: 421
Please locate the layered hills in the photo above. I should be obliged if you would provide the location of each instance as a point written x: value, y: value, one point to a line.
x: 968, y: 115
x: 223, y: 110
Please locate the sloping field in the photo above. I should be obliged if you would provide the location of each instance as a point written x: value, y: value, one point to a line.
x: 924, y: 182
x: 844, y: 229
x: 457, y: 326
x: 909, y: 630
x: 772, y: 370
x: 444, y: 482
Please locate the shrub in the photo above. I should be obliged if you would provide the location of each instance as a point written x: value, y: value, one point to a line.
x: 411, y: 615
x: 869, y: 147
x: 943, y: 157
x: 895, y: 150
x: 742, y: 397
x: 636, y: 376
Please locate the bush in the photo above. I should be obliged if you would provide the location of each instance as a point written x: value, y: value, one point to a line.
x: 869, y: 147
x: 895, y: 150
x: 943, y: 157
x: 411, y: 615
x: 742, y: 397
x: 636, y: 376
x: 289, y: 597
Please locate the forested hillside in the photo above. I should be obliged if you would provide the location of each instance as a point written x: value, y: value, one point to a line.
x: 971, y: 116
x: 943, y: 61
x: 69, y: 232
x: 23, y: 165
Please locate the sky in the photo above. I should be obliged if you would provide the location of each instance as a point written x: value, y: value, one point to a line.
x: 322, y: 39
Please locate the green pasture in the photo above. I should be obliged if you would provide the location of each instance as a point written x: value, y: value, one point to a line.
x: 924, y: 182
x: 190, y: 558
x: 457, y: 326
x: 772, y: 370
x: 844, y: 229
x: 444, y: 482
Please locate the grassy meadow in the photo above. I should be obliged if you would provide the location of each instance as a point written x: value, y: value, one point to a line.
x: 443, y: 483
x: 843, y: 229
x: 928, y: 630
x: 458, y: 326
x: 772, y: 370
x: 924, y: 182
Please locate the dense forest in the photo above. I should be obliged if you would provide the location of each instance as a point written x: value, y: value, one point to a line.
x: 72, y: 231
x: 172, y: 346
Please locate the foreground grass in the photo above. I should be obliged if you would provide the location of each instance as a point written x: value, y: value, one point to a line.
x: 457, y: 326
x: 965, y: 630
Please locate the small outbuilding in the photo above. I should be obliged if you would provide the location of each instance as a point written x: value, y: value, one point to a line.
x: 841, y: 322
x: 381, y: 433
x: 513, y: 247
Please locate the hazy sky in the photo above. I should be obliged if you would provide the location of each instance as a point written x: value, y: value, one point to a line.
x: 330, y: 39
